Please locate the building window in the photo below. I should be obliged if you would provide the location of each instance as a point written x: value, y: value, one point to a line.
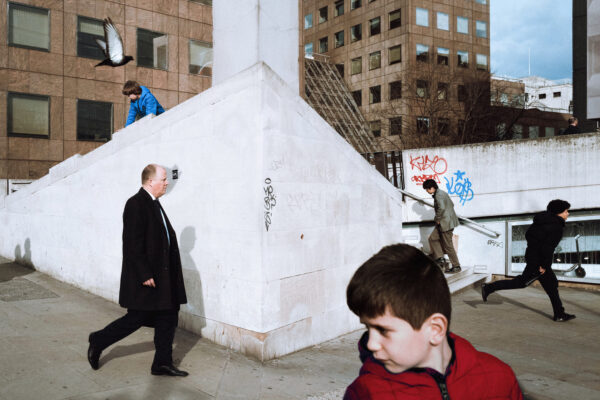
x: 375, y: 60
x: 152, y: 49
x: 356, y: 33
x: 463, y: 58
x: 375, y: 26
x: 357, y: 96
x: 443, y: 22
x: 201, y: 58
x: 461, y: 93
x: 28, y: 27
x: 542, y: 96
x: 308, y: 49
x: 443, y: 55
x: 396, y: 126
x: 422, y: 17
x: 322, y: 14
x: 308, y: 22
x: 534, y: 132
x: 517, y: 131
x: 549, y: 131
x: 323, y: 45
x: 395, y: 21
x: 374, y: 94
x: 375, y: 128
x: 442, y: 91
x: 339, y: 39
x: 88, y: 30
x: 443, y: 126
x: 422, y: 52
x: 340, y: 69
x: 94, y: 120
x: 481, y: 1
x: 338, y: 8
x: 28, y: 115
x: 395, y: 90
x: 356, y: 67
x: 423, y: 125
x: 422, y: 88
x: 205, y: 2
x: 481, y: 29
x: 354, y: 4
x: 482, y: 62
x: 556, y: 94
x: 395, y: 54
x: 462, y: 25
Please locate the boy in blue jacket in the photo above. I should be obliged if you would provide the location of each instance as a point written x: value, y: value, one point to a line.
x: 142, y: 101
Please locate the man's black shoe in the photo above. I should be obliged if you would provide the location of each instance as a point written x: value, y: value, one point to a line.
x: 563, y: 317
x: 169, y: 370
x: 485, y: 292
x: 93, y: 355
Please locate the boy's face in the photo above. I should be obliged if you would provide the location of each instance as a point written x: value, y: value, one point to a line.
x: 134, y: 97
x: 396, y: 344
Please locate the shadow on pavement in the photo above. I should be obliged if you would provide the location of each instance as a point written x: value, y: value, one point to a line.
x: 124, y: 351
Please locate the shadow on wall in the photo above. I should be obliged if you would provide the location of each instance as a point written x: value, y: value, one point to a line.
x: 25, y: 258
x: 193, y: 288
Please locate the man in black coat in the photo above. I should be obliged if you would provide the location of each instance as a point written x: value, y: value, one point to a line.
x: 151, y: 279
x: 573, y: 128
x: 542, y: 238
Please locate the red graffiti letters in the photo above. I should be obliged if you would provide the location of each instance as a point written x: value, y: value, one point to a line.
x: 427, y: 168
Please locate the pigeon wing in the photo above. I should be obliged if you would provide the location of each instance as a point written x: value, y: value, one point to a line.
x: 102, y: 45
x: 114, y: 44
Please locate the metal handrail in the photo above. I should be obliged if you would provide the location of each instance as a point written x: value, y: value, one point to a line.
x: 493, y: 234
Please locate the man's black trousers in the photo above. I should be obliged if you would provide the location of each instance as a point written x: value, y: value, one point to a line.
x: 547, y: 280
x: 164, y: 322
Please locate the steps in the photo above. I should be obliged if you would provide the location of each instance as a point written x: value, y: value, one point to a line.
x: 464, y: 279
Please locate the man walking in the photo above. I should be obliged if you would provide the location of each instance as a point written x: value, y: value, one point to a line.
x: 542, y: 238
x: 440, y: 240
x: 151, y: 279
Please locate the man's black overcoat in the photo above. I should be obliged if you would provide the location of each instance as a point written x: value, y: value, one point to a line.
x: 147, y: 254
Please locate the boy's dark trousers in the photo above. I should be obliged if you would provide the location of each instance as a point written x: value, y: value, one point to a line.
x: 163, y: 321
x: 547, y: 280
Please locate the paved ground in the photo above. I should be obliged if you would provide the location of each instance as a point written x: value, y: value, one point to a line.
x: 45, y: 323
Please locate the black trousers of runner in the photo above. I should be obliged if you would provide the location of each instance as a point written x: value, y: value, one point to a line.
x: 164, y: 322
x: 547, y: 280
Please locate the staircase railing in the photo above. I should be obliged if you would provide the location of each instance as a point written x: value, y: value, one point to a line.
x: 476, y: 226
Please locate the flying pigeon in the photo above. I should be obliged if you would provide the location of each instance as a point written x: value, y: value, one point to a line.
x: 112, y: 46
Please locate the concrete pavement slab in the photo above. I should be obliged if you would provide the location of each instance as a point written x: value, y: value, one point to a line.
x: 43, y: 345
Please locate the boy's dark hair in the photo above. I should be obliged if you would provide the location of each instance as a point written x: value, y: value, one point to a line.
x: 404, y: 279
x: 430, y: 183
x: 131, y: 87
x: 558, y: 206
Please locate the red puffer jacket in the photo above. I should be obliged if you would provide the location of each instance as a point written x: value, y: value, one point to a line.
x: 471, y: 375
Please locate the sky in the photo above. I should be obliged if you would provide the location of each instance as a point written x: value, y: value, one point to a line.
x: 543, y: 27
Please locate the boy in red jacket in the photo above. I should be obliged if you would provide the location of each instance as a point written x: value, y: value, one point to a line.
x: 403, y: 299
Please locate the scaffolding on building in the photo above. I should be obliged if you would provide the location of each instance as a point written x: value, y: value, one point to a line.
x: 327, y: 93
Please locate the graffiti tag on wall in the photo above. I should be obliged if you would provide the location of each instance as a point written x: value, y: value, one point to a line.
x: 270, y: 202
x: 427, y: 168
x: 460, y: 186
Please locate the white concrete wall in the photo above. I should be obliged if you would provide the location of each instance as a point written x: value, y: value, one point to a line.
x: 249, y: 31
x: 499, y: 180
x: 264, y: 292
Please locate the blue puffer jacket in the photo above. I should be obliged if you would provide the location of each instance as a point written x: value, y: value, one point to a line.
x: 146, y: 104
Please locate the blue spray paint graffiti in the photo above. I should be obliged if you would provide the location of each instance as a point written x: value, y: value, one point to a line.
x: 460, y: 186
